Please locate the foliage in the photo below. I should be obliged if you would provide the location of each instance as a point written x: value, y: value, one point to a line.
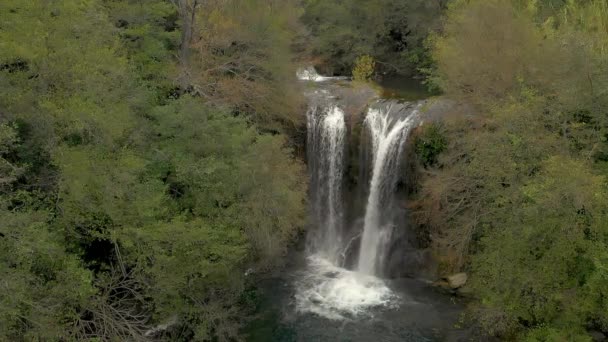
x: 150, y: 33
x: 42, y: 285
x: 390, y: 31
x: 9, y: 172
x: 552, y: 251
x: 243, y: 58
x: 127, y: 203
x: 246, y: 179
x: 518, y: 197
x: 430, y: 144
x: 364, y: 68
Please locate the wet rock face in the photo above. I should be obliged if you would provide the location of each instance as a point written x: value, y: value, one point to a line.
x: 412, y: 263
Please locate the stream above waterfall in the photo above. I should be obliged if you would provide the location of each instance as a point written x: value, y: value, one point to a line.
x: 340, y: 285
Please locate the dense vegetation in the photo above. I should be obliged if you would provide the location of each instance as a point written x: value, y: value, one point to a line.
x: 516, y: 191
x: 148, y: 175
x: 144, y: 166
x: 392, y: 32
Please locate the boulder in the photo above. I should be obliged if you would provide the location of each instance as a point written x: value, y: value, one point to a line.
x: 458, y: 280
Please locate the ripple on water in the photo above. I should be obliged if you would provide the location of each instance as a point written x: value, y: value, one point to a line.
x: 336, y: 293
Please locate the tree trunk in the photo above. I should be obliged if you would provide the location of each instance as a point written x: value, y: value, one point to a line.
x: 187, y: 12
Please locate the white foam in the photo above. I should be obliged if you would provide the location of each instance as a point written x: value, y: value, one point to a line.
x: 311, y: 74
x: 336, y: 293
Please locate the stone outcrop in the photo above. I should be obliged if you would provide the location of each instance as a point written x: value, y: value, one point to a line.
x: 457, y: 281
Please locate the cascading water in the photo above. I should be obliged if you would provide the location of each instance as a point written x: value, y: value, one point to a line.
x: 388, y: 127
x: 326, y: 137
x: 311, y: 74
x: 358, y: 233
x: 326, y: 287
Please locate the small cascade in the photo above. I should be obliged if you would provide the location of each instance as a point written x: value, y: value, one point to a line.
x: 311, y: 74
x: 388, y: 126
x: 326, y: 146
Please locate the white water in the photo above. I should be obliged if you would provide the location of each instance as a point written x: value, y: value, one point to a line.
x: 336, y: 293
x: 311, y: 74
x: 388, y: 135
x: 327, y: 133
x: 325, y: 288
x: 335, y: 129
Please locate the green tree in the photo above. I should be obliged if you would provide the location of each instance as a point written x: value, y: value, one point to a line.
x: 518, y: 196
x: 390, y: 31
x: 124, y: 202
x: 243, y: 59
x: 43, y: 286
x: 237, y: 202
x: 364, y: 68
x: 150, y: 33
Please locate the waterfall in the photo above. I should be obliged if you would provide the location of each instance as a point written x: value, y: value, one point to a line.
x: 326, y: 287
x: 388, y: 127
x: 326, y: 145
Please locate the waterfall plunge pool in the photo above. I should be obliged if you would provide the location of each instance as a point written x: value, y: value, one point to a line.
x: 312, y: 300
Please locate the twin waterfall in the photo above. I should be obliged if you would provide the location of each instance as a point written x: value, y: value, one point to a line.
x: 354, y: 160
x: 385, y: 128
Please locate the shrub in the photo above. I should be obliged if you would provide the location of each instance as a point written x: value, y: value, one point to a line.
x: 364, y: 68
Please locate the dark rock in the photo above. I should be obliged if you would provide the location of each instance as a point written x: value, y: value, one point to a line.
x: 412, y: 263
x: 331, y: 275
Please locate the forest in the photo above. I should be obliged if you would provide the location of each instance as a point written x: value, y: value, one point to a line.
x: 152, y: 168
x: 515, y: 187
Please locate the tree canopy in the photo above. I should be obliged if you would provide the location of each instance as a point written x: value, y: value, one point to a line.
x: 129, y: 199
x: 518, y: 196
x: 393, y: 32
